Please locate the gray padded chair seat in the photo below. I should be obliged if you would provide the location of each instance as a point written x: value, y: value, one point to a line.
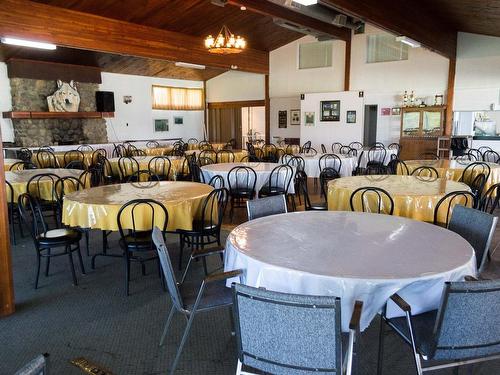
x: 423, y: 325
x: 215, y: 294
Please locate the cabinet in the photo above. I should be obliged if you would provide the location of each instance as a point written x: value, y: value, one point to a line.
x: 420, y: 129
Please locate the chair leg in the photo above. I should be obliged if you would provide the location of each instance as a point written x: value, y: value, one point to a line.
x: 183, y: 342
x: 181, y: 250
x: 167, y: 325
x: 380, y: 363
x: 71, y: 265
x: 80, y: 259
x: 87, y: 242
x: 127, y: 272
x: 37, y: 275
x: 47, y: 264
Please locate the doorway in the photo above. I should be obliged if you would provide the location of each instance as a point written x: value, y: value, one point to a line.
x: 224, y: 124
x: 370, y: 127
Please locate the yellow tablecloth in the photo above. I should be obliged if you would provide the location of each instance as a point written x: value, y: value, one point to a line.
x: 98, y: 207
x: 7, y: 163
x: 413, y: 197
x: 176, y: 165
x: 87, y: 158
x: 19, y: 180
x: 157, y: 151
x: 452, y: 169
x: 238, y: 155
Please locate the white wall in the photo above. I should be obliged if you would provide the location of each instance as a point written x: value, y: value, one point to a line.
x: 5, y: 105
x: 284, y: 104
x: 477, y: 79
x: 286, y: 79
x: 134, y: 121
x: 235, y: 86
x: 328, y: 132
x: 384, y: 83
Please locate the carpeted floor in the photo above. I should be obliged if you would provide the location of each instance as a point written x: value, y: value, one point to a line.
x: 96, y: 321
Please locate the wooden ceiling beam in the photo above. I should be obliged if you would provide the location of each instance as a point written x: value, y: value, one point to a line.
x: 403, y: 18
x: 63, y: 27
x: 270, y: 9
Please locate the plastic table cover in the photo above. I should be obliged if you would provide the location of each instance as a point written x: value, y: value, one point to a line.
x: 351, y: 255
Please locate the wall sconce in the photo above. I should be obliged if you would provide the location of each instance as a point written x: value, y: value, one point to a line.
x: 127, y: 99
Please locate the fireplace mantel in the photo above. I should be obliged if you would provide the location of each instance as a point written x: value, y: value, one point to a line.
x: 56, y: 115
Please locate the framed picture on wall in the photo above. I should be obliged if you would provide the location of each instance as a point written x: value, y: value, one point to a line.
x: 161, y: 125
x: 396, y: 111
x: 178, y: 120
x: 309, y: 118
x: 351, y: 117
x: 282, y: 119
x: 295, y: 117
x: 330, y: 110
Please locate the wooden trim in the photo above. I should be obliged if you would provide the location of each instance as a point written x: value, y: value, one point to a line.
x: 48, y: 71
x: 267, y: 8
x: 69, y: 28
x: 448, y: 127
x: 7, y: 303
x: 347, y: 70
x: 238, y: 104
x: 56, y: 115
x: 268, y: 110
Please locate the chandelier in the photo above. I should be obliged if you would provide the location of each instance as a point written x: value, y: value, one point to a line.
x: 225, y: 42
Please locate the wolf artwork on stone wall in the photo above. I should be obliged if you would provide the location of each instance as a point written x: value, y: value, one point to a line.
x: 65, y: 99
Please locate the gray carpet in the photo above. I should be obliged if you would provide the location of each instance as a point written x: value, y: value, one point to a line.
x: 95, y: 320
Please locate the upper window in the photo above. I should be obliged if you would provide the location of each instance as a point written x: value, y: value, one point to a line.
x: 177, y: 98
x: 383, y: 47
x: 315, y: 55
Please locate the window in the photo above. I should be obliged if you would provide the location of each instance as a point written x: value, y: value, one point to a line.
x: 315, y: 55
x: 177, y: 98
x: 383, y: 47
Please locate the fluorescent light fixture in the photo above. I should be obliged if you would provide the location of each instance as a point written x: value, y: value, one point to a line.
x: 189, y: 65
x: 306, y: 2
x: 28, y: 43
x: 412, y: 43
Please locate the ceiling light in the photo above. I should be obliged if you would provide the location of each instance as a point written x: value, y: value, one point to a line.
x: 412, y: 43
x: 306, y: 2
x: 28, y: 43
x: 225, y: 42
x: 243, y: 7
x: 189, y: 65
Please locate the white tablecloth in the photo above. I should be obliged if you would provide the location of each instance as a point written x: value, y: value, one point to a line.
x: 311, y: 165
x: 351, y: 255
x: 262, y: 170
x: 376, y: 155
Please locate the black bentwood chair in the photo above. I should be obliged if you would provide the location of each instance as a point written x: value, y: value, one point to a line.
x: 281, y: 333
x: 241, y: 181
x: 144, y: 214
x: 475, y: 175
x: 308, y: 205
x: 190, y: 299
x: 267, y: 206
x: 490, y: 199
x: 46, y: 240
x: 446, y: 205
x: 372, y: 199
x: 464, y: 330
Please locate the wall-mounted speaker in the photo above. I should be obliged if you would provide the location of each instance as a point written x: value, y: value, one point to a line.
x: 105, y: 101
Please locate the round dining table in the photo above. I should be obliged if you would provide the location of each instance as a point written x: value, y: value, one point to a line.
x: 7, y: 163
x: 223, y: 158
x: 377, y: 154
x: 451, y: 169
x: 311, y: 164
x: 351, y: 255
x: 176, y: 165
x: 157, y: 151
x: 414, y: 197
x: 98, y: 207
x: 262, y: 170
x: 19, y: 180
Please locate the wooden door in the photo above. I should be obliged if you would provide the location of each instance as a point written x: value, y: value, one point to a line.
x: 224, y: 124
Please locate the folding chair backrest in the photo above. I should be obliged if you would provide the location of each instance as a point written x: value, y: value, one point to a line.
x: 283, y: 333
x: 468, y: 320
x: 266, y: 206
x: 476, y: 227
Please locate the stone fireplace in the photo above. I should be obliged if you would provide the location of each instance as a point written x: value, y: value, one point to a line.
x: 31, y: 95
